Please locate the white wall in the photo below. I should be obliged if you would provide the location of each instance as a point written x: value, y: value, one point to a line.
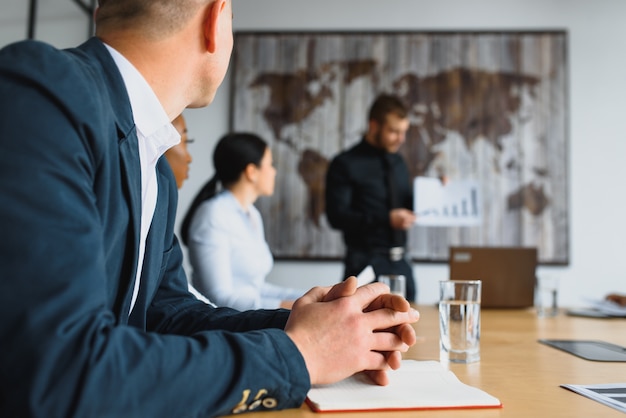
x: 597, y: 85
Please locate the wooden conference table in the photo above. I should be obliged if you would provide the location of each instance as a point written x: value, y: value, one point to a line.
x: 524, y: 374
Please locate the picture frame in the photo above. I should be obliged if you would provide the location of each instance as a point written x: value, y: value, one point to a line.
x: 490, y: 106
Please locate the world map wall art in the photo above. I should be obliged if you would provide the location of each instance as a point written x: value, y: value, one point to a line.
x: 491, y: 107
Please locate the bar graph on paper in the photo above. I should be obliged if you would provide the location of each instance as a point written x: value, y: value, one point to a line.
x: 455, y: 203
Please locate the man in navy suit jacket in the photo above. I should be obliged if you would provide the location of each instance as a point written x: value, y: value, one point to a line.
x: 80, y: 336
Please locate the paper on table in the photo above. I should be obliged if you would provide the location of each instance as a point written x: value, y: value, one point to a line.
x: 610, y: 394
x: 366, y: 276
x: 608, y: 307
x: 416, y: 385
x: 457, y: 203
x: 599, y: 309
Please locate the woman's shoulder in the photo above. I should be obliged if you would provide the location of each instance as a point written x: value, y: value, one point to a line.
x: 218, y: 207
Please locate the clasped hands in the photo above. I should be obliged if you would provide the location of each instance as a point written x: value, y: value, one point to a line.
x: 342, y: 330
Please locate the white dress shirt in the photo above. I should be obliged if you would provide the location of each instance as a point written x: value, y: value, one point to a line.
x: 230, y: 257
x: 156, y: 134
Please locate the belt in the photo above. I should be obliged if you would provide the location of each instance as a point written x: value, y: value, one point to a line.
x: 393, y: 253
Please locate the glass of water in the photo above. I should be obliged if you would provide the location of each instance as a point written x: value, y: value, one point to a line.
x: 546, y: 292
x: 396, y: 283
x: 459, y: 320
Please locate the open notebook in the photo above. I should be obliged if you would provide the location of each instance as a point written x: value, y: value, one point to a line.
x: 416, y: 385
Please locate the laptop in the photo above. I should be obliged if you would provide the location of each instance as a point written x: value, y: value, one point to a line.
x: 507, y: 273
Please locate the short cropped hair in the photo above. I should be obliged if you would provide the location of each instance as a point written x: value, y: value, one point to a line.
x: 386, y: 104
x: 154, y: 18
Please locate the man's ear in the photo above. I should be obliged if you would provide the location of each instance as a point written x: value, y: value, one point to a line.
x: 373, y: 126
x: 211, y: 24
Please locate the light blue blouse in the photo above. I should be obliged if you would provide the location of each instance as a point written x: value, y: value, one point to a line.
x: 230, y: 257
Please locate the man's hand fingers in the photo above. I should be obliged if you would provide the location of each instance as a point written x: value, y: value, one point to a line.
x: 329, y: 293
x: 376, y: 296
x: 316, y: 294
x: 391, y: 360
x: 378, y: 377
x: 389, y: 319
x: 367, y: 328
x: 389, y: 301
x: 394, y: 360
x: 383, y: 341
x: 404, y: 332
x: 345, y: 288
x: 407, y: 334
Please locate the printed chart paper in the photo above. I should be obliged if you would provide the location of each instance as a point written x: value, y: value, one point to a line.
x: 455, y: 203
x: 610, y: 394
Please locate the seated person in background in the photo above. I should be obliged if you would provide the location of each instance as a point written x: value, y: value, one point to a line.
x: 178, y: 156
x: 224, y: 231
x: 179, y: 159
x: 619, y: 299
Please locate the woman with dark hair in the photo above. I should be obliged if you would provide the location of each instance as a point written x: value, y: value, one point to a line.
x: 224, y: 231
x: 620, y: 299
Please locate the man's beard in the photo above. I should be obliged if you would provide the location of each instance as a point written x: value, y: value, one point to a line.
x: 378, y: 140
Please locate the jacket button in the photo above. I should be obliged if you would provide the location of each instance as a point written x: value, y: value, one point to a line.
x: 270, y: 403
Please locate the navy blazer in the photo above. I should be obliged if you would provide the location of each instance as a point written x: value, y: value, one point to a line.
x: 69, y: 224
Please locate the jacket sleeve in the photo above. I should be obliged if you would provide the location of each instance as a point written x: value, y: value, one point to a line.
x: 64, y: 351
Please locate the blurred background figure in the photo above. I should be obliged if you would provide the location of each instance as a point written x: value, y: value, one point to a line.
x: 224, y: 231
x: 179, y: 159
x: 178, y: 156
x: 619, y: 299
x: 369, y: 195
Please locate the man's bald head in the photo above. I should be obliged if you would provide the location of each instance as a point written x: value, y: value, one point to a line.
x: 153, y: 18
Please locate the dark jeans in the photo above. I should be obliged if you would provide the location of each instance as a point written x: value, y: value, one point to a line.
x: 356, y: 260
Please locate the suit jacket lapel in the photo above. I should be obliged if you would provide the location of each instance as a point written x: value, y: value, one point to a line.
x: 129, y: 165
x: 131, y: 175
x: 154, y: 251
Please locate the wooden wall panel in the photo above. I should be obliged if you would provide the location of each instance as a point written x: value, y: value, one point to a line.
x: 491, y: 106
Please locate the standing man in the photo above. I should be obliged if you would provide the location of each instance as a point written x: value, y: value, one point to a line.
x: 97, y: 320
x: 369, y: 196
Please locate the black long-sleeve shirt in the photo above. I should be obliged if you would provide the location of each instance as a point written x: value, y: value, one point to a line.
x: 358, y: 198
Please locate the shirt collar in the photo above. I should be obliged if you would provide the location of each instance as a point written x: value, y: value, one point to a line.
x: 372, y: 149
x: 234, y: 202
x: 150, y: 118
